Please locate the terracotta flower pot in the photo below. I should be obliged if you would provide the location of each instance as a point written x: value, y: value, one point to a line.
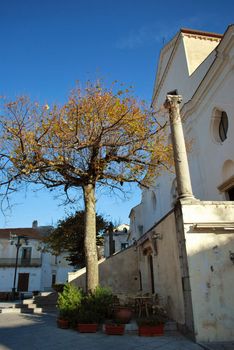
x: 114, y: 329
x: 123, y: 314
x: 62, y: 323
x: 151, y: 331
x: 87, y: 327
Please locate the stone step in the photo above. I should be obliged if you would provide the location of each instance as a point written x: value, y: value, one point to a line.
x: 45, y: 294
x: 49, y: 307
x: 25, y: 306
x: 36, y: 310
x: 45, y: 303
x: 23, y: 310
x: 10, y: 311
x: 51, y: 297
x: 27, y: 301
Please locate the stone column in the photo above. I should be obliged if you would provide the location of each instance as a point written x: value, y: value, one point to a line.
x: 184, y: 188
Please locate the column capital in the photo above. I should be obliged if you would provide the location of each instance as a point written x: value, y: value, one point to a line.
x: 172, y: 101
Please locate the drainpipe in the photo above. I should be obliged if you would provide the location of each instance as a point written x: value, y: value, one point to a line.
x: 184, y: 187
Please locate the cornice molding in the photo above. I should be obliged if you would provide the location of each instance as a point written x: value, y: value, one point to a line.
x: 201, y: 37
x: 201, y: 32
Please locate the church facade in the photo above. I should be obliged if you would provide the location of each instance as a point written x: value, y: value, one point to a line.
x: 186, y: 242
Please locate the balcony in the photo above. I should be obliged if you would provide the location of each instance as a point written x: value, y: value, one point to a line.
x: 9, y: 262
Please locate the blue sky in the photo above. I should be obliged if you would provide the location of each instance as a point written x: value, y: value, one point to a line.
x: 47, y: 45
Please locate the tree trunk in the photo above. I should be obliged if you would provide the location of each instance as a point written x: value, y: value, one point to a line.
x: 92, y: 278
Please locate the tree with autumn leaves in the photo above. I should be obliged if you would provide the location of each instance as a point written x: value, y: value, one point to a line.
x: 100, y: 137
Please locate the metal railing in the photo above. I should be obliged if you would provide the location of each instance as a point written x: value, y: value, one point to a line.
x: 10, y: 262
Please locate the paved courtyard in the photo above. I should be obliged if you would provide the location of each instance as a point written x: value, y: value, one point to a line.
x: 40, y: 332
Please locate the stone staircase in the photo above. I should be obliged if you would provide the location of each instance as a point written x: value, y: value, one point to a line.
x: 45, y: 302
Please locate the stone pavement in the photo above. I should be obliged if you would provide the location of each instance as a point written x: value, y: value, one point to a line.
x: 40, y: 332
x: 219, y: 345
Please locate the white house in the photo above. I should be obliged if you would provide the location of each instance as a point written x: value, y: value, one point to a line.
x: 36, y: 269
x: 120, y: 239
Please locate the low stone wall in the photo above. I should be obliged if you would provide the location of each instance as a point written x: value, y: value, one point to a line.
x: 119, y: 272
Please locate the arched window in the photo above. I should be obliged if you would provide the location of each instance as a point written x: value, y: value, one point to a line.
x: 223, y: 126
x: 219, y: 125
x: 227, y: 186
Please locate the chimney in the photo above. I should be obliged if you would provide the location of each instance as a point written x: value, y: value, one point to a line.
x: 35, y: 224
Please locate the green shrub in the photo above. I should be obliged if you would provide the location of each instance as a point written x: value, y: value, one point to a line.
x: 69, y: 301
x: 95, y: 306
x: 58, y: 287
x: 103, y: 302
x: 79, y: 308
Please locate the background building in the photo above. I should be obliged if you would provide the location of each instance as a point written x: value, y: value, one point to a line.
x: 119, y: 238
x: 37, y: 269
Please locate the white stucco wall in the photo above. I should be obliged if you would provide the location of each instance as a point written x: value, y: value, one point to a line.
x: 166, y: 266
x: 197, y: 49
x: 7, y: 278
x: 210, y: 269
x: 136, y: 220
x: 40, y: 277
x: 207, y: 156
x: 207, y: 175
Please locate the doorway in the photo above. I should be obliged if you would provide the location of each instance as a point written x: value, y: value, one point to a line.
x: 23, y: 279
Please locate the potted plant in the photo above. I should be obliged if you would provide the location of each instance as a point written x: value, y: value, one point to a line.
x: 67, y: 304
x: 87, y: 321
x: 95, y: 307
x: 154, y: 324
x: 102, y: 302
x: 123, y: 313
x: 63, y: 321
x: 114, y: 327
